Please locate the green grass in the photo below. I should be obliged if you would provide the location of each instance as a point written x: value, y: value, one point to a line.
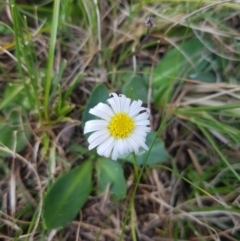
x: 55, y: 54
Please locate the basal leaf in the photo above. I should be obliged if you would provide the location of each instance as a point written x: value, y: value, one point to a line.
x: 67, y: 196
x: 169, y: 67
x: 177, y: 63
x: 207, y: 77
x: 111, y: 172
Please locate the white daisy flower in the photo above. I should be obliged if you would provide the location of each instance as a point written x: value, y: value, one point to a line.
x: 122, y: 128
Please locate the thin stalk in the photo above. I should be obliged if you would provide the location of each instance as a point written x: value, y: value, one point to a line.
x: 135, y: 166
x: 160, y: 129
x: 48, y: 80
x: 133, y: 232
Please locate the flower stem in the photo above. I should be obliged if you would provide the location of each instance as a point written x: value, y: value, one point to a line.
x: 135, y: 166
x: 133, y: 222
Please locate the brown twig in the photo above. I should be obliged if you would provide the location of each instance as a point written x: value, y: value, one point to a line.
x: 149, y: 23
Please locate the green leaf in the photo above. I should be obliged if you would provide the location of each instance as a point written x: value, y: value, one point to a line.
x: 14, y: 134
x: 15, y: 95
x: 177, y: 63
x: 158, y: 153
x: 111, y: 172
x: 99, y: 94
x: 175, y: 59
x: 139, y: 88
x: 76, y: 148
x: 67, y: 196
x: 207, y: 77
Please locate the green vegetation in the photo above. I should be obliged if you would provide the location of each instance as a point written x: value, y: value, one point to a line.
x: 58, y: 59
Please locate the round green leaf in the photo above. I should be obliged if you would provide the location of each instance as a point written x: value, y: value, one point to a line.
x: 67, y: 196
x: 111, y: 172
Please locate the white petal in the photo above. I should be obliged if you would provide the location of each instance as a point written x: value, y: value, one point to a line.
x: 107, y: 145
x: 140, y: 140
x: 99, y: 140
x: 96, y: 134
x: 142, y: 123
x: 102, y: 108
x: 132, y: 106
x: 114, y: 102
x: 122, y: 102
x: 139, y: 132
x: 133, y: 144
x: 99, y: 113
x: 135, y: 108
x: 142, y: 116
x: 108, y: 151
x: 128, y: 148
x: 115, y: 152
x: 117, y: 101
x: 142, y: 128
x: 147, y: 110
x: 125, y: 147
x: 106, y: 108
x: 121, y: 149
x: 143, y: 145
x: 95, y: 125
x: 127, y: 105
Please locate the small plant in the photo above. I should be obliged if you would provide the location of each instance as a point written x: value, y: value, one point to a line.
x: 122, y: 130
x: 158, y: 158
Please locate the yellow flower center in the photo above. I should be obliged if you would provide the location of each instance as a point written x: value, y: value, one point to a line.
x: 121, y: 125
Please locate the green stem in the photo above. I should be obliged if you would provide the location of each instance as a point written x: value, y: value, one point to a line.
x: 135, y: 166
x: 134, y: 238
